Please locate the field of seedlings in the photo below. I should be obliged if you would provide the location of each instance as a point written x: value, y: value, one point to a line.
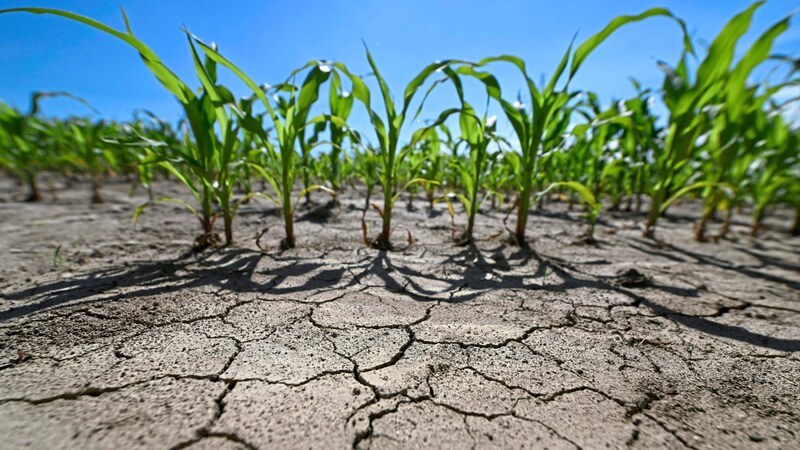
x: 265, y: 274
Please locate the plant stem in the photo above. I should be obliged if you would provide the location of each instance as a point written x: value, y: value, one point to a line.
x: 366, y: 200
x: 522, y: 213
x: 306, y: 182
x: 473, y: 209
x: 335, y: 167
x: 288, y: 216
x: 228, y: 217
x: 207, y: 223
x: 655, y: 212
x: 590, y: 230
x: 758, y: 218
x: 34, y: 195
x: 386, y: 231
x: 700, y: 230
x: 96, y: 198
x: 726, y: 224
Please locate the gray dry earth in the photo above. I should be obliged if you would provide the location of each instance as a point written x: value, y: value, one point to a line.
x: 115, y: 341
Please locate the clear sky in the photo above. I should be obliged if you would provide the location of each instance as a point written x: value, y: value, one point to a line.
x: 270, y: 38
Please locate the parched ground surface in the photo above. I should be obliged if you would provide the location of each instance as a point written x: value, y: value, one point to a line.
x: 111, y: 337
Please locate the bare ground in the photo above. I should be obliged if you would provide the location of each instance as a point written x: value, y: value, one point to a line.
x: 110, y: 336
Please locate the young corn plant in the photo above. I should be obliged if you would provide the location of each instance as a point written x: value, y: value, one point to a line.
x: 547, y: 102
x: 289, y: 122
x: 409, y: 170
x: 773, y: 171
x: 499, y: 178
x: 478, y: 133
x: 340, y: 103
x: 21, y: 149
x: 612, y: 157
x: 365, y: 166
x: 593, y: 206
x: 307, y: 143
x: 738, y: 134
x: 212, y: 159
x: 694, y: 104
x: 450, y: 174
x: 206, y: 165
x: 555, y: 139
x: 433, y: 166
x: 593, y: 151
x: 308, y: 138
x: 140, y: 135
x: 640, y: 138
x: 348, y: 178
x: 90, y: 152
x: 792, y: 196
x: 421, y: 169
x: 30, y: 143
x: 391, y: 155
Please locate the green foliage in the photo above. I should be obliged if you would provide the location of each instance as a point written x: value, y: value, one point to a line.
x: 726, y: 140
x: 539, y: 129
x: 391, y: 154
x: 695, y: 104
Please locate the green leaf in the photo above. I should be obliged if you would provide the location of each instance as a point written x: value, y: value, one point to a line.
x: 583, y: 191
x: 387, y: 96
x: 699, y: 185
x: 759, y: 52
x: 720, y: 54
x: 140, y: 209
x: 591, y: 44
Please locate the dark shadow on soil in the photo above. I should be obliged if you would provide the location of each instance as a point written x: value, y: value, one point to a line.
x: 522, y: 257
x: 767, y: 260
x: 234, y: 269
x: 701, y: 324
x: 653, y: 248
x: 149, y: 278
x: 233, y: 272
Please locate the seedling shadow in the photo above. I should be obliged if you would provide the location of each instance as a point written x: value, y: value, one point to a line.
x: 653, y: 248
x: 235, y: 270
x: 477, y: 265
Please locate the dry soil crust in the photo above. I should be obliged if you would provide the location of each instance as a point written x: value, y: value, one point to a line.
x: 109, y: 339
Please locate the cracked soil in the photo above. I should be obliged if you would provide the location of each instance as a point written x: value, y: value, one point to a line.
x: 112, y: 337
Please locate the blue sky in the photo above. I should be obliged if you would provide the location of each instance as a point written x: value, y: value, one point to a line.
x: 270, y: 38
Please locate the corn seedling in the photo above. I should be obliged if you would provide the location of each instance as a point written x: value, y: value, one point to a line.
x: 593, y: 206
x: 499, y: 180
x: 206, y: 163
x: 365, y: 167
x: 29, y: 143
x: 775, y: 167
x: 477, y: 132
x: 387, y: 130
x: 289, y: 121
x: 340, y: 103
x: 433, y: 166
x: 640, y: 137
x: 693, y: 106
x: 307, y: 143
x: 91, y: 153
x: 547, y: 105
x: 139, y: 136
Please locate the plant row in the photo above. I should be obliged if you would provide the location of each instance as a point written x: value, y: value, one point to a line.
x: 725, y: 140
